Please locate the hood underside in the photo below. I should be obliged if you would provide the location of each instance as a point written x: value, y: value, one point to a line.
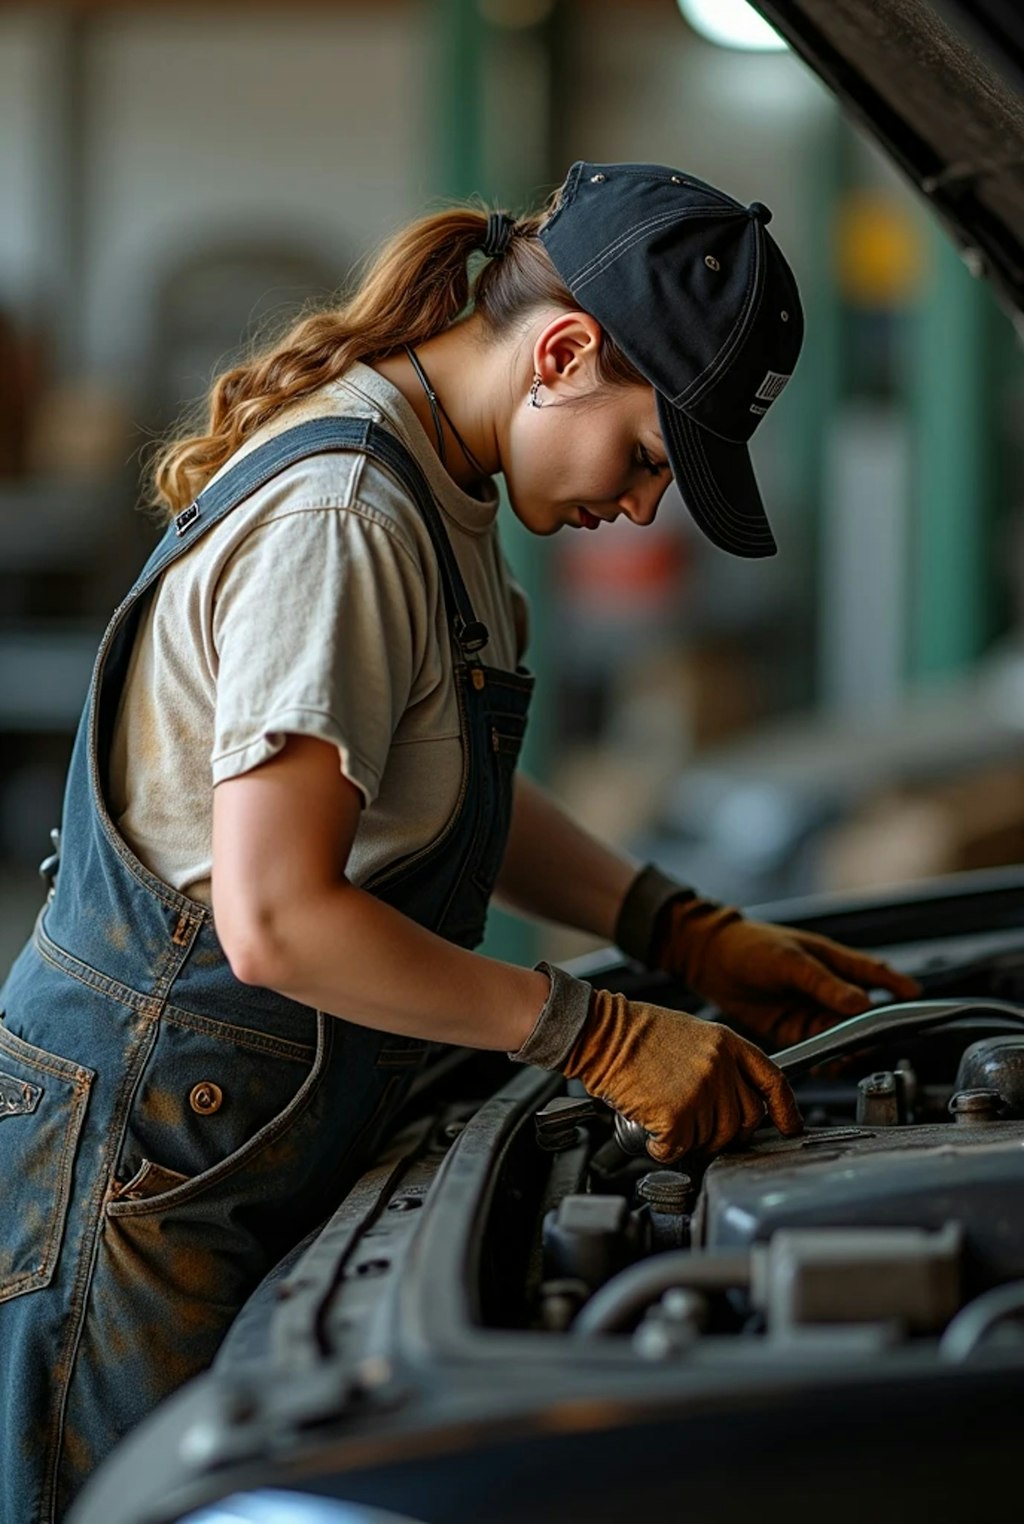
x: 939, y: 85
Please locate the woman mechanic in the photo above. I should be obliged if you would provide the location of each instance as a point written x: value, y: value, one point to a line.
x: 235, y: 976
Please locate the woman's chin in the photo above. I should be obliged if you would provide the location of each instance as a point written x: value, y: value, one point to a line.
x: 541, y: 521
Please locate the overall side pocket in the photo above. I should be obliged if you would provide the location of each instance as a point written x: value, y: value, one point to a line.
x: 253, y: 1102
x: 42, y: 1107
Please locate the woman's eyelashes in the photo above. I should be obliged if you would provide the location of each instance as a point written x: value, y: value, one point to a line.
x: 646, y: 460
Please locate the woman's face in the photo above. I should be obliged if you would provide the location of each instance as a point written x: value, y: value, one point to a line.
x: 588, y: 454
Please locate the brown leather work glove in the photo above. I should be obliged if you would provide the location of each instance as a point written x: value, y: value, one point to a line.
x: 780, y: 984
x: 694, y: 1085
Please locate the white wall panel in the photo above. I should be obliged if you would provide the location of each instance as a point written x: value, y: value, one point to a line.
x: 229, y: 124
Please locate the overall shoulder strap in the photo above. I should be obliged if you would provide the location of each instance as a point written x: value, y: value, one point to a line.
x: 320, y: 436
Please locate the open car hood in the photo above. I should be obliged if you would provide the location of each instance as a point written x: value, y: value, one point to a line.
x: 939, y: 84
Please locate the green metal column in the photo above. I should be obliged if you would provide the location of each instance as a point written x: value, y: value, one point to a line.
x: 954, y: 613
x: 458, y: 101
x: 471, y: 53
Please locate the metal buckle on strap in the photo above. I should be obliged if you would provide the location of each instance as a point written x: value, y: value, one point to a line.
x: 471, y: 634
x: 49, y: 865
x: 186, y: 517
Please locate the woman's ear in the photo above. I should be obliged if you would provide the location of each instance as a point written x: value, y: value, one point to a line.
x: 565, y: 354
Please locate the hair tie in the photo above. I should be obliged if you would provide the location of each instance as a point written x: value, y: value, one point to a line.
x: 500, y: 227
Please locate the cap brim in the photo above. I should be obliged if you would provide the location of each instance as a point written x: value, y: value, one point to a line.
x: 716, y: 480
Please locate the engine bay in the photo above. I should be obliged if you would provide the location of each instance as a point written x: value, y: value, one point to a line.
x: 896, y: 1220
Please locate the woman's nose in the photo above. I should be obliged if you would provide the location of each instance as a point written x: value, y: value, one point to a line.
x: 641, y: 503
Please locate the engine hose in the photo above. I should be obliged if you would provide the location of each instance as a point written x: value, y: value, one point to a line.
x: 969, y: 1329
x: 621, y: 1300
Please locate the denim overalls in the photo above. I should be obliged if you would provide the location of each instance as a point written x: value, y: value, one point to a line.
x: 166, y: 1132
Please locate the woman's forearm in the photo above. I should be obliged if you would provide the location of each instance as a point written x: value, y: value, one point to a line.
x: 344, y: 951
x: 557, y: 871
x: 287, y: 917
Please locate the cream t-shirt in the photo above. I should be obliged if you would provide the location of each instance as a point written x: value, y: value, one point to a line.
x: 313, y: 608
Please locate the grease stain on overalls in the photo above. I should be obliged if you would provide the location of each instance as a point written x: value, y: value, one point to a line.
x: 166, y: 1132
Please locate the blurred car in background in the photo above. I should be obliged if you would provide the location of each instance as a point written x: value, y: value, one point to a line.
x: 514, y: 1316
x: 846, y: 803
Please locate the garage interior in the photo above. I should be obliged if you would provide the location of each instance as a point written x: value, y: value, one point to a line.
x: 844, y: 717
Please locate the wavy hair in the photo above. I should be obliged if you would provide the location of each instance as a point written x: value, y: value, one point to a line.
x: 418, y: 284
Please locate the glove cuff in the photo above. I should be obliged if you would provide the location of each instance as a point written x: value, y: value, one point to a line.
x: 640, y: 926
x: 558, y: 1025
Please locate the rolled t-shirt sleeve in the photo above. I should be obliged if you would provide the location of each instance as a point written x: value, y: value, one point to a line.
x: 319, y: 628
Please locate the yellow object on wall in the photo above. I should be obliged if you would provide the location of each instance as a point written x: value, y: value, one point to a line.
x: 879, y: 251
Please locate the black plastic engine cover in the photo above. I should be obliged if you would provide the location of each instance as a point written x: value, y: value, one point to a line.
x: 913, y: 1177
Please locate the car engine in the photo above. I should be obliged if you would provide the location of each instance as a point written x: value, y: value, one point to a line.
x: 896, y: 1216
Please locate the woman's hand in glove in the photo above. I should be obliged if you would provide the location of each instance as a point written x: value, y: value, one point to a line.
x: 781, y: 984
x: 694, y: 1085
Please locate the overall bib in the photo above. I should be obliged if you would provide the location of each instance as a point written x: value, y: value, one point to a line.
x: 166, y: 1132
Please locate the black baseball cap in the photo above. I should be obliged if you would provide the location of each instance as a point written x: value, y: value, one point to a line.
x: 698, y: 295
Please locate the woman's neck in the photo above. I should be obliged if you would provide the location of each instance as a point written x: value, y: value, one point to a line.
x: 461, y: 372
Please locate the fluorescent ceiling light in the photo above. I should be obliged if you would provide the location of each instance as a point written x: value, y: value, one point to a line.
x: 732, y: 24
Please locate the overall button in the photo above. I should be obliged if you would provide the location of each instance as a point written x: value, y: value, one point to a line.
x: 205, y: 1098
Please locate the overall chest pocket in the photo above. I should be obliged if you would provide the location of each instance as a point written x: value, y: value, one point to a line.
x: 42, y: 1108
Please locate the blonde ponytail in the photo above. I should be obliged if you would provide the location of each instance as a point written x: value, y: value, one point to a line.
x: 417, y: 286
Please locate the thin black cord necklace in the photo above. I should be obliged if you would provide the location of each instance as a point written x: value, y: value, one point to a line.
x: 435, y: 405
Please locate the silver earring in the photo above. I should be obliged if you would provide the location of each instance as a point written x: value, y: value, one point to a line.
x: 532, y: 400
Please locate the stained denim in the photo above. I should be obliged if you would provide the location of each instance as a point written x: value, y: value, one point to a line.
x: 166, y: 1132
